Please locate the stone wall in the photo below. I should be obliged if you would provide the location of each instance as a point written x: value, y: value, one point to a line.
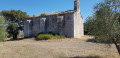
x: 69, y: 25
x: 78, y: 25
x: 35, y: 26
x: 28, y: 28
x: 58, y: 24
x: 51, y: 24
x: 42, y: 25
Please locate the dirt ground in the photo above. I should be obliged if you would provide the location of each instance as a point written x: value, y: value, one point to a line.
x: 57, y: 48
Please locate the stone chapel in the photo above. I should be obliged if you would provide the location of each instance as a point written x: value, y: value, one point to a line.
x: 68, y: 23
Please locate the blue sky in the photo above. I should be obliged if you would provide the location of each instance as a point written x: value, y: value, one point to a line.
x: 35, y: 7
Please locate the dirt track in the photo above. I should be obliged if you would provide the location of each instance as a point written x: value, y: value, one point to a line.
x: 56, y: 48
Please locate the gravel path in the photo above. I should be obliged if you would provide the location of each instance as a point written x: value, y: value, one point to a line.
x: 56, y: 48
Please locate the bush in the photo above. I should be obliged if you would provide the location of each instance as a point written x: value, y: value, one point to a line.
x: 49, y: 36
x: 3, y: 33
x: 44, y: 36
x: 59, y: 36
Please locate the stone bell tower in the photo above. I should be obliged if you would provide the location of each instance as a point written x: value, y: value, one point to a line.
x: 76, y: 5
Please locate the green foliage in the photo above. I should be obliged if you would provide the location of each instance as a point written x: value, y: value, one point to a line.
x: 49, y: 36
x: 14, y: 15
x: 105, y: 23
x: 21, y: 35
x: 59, y: 36
x: 15, y: 18
x: 3, y: 33
x: 43, y: 14
x: 88, y: 25
x: 44, y: 36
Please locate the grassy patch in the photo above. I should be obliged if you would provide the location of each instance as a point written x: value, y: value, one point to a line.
x: 59, y: 36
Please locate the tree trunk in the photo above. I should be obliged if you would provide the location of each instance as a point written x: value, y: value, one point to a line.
x: 14, y: 36
x: 117, y: 46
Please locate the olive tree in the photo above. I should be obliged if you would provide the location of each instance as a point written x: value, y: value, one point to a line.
x: 106, y: 24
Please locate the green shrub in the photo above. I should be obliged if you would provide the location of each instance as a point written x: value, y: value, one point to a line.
x: 44, y: 36
x: 59, y: 36
x: 49, y: 36
x: 3, y: 33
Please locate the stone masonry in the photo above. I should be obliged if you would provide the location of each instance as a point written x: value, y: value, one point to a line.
x: 68, y: 23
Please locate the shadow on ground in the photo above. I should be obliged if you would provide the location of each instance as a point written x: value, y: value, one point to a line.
x: 91, y: 40
x: 95, y: 41
x: 85, y: 57
x: 18, y: 39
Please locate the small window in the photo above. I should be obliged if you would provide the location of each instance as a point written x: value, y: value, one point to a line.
x: 29, y: 21
x: 59, y: 18
x: 44, y: 19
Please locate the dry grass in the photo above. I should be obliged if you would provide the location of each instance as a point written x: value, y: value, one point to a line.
x: 56, y: 48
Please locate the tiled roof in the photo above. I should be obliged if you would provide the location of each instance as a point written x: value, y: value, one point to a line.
x: 55, y: 13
